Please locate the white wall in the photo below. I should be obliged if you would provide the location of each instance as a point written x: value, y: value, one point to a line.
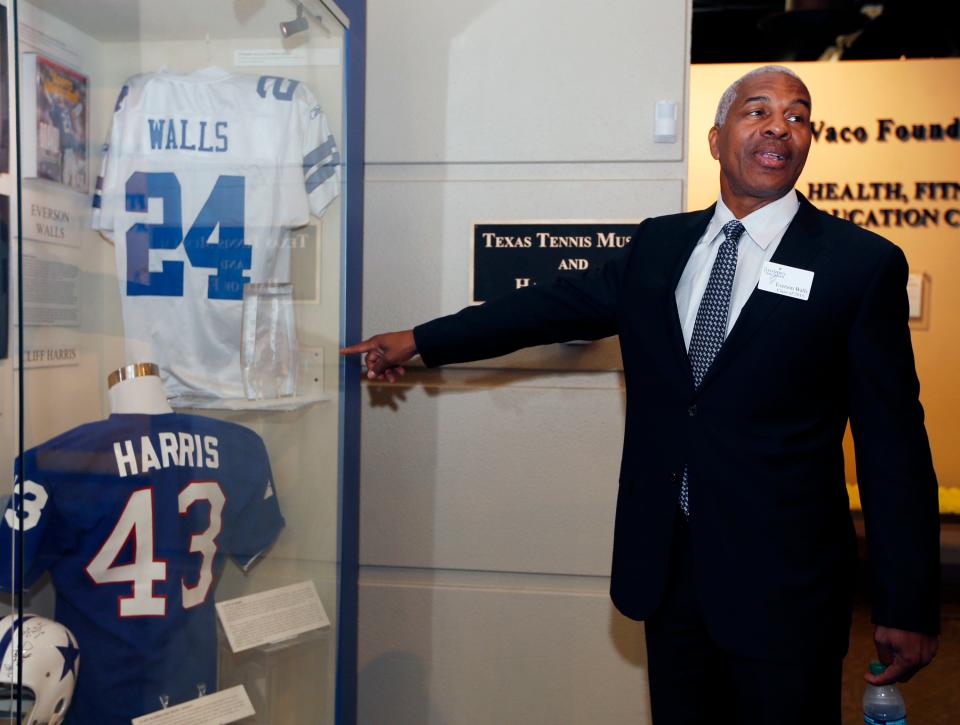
x: 488, y: 491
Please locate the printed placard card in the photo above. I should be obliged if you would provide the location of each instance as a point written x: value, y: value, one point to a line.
x: 52, y: 216
x: 272, y: 616
x: 915, y: 294
x: 219, y: 708
x: 280, y: 57
x: 784, y: 280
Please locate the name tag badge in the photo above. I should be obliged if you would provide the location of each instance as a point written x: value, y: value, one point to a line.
x: 787, y: 281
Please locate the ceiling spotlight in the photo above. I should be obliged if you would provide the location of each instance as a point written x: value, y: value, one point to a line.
x: 292, y: 27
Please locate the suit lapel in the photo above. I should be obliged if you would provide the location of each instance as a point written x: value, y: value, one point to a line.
x: 800, y: 245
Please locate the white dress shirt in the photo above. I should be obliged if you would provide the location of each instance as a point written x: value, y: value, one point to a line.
x: 764, y: 229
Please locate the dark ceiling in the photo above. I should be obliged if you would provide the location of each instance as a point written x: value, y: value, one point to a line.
x: 765, y: 30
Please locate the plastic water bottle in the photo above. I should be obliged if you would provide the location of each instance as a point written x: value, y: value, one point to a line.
x: 883, y: 705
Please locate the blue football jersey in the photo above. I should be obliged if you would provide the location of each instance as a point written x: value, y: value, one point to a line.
x: 133, y: 516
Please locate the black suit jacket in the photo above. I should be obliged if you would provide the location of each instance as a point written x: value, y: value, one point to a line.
x: 773, y: 541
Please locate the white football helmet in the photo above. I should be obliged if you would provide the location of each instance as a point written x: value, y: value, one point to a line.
x: 51, y: 659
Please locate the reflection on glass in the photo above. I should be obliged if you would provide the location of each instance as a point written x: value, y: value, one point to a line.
x: 204, y: 236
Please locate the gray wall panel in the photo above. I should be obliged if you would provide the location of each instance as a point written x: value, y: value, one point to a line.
x: 488, y: 494
x: 505, y: 478
x: 455, y: 652
x: 522, y: 80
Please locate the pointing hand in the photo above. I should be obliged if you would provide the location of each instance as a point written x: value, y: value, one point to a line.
x: 385, y: 354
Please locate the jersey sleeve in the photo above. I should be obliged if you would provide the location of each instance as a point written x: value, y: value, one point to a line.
x: 256, y: 526
x: 321, y: 157
x: 31, y: 504
x: 107, y: 194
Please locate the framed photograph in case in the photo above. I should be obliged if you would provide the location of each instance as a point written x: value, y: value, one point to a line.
x: 54, y: 113
x: 4, y: 95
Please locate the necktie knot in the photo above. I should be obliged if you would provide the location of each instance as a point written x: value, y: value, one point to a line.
x: 733, y: 230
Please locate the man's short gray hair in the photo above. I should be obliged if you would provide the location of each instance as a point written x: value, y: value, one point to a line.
x: 730, y: 95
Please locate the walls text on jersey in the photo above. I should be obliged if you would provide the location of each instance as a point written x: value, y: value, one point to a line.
x: 187, y: 135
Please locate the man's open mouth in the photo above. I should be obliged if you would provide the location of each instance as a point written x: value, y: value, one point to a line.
x: 772, y: 159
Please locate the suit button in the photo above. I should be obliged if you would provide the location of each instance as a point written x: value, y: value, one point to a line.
x: 692, y: 410
x: 674, y: 477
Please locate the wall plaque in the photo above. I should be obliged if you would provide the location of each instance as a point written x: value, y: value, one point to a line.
x: 515, y: 254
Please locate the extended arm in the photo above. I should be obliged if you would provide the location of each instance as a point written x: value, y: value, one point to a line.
x: 583, y: 308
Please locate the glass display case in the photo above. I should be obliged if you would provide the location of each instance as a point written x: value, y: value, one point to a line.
x: 179, y: 535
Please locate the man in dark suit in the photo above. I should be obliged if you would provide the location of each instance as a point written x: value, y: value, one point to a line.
x: 751, y: 332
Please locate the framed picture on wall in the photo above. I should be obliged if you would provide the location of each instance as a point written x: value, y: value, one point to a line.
x: 54, y: 112
x: 4, y: 276
x: 4, y: 95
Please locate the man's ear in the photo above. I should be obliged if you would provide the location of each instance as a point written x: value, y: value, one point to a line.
x: 712, y: 139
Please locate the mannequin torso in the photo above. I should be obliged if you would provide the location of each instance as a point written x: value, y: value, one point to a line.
x: 137, y: 389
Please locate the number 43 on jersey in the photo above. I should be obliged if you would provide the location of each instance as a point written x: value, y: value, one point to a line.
x: 136, y: 523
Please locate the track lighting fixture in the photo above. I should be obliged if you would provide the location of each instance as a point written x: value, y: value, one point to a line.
x: 299, y: 24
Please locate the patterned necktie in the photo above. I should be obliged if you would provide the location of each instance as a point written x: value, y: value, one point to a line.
x: 710, y: 327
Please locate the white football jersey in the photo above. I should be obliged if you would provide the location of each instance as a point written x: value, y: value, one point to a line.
x: 203, y: 177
